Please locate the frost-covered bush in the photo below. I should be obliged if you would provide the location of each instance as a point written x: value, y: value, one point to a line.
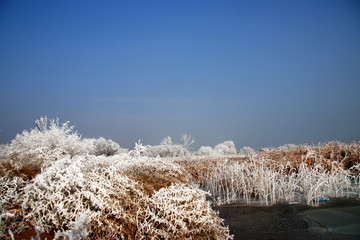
x: 49, y: 141
x: 121, y: 196
x: 102, y: 146
x: 54, y: 139
x: 205, y: 151
x: 106, y: 147
x: 225, y: 148
x: 44, y: 143
x: 30, y: 150
x: 180, y: 212
x: 83, y: 185
x: 174, y: 150
x: 169, y: 149
x: 247, y: 151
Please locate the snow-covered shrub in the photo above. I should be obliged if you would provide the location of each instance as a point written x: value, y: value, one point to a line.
x: 225, y: 148
x: 174, y: 150
x: 169, y: 149
x: 139, y: 149
x: 247, y: 151
x: 205, y: 151
x: 121, y: 196
x: 180, y: 212
x: 75, y: 186
x: 46, y: 143
x: 101, y: 146
x: 54, y: 139
x: 49, y: 141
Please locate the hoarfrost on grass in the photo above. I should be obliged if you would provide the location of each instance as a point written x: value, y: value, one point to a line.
x: 92, y: 187
x: 180, y: 212
x: 169, y: 149
x: 118, y: 195
x: 82, y: 185
x: 255, y: 181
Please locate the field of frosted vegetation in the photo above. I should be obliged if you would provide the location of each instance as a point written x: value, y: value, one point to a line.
x: 57, y: 184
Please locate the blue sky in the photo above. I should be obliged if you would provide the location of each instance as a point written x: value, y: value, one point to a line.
x: 260, y: 73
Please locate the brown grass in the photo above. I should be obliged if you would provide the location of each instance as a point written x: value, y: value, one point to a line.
x: 330, y: 155
x: 14, y: 166
x: 151, y: 179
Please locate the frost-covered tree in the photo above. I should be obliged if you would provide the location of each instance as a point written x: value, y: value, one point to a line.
x: 225, y: 148
x: 205, y: 151
x: 169, y: 149
x: 187, y: 140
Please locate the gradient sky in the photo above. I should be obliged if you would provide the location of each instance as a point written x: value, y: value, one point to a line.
x: 260, y: 73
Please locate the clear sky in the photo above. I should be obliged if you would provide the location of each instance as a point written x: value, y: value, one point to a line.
x: 260, y: 73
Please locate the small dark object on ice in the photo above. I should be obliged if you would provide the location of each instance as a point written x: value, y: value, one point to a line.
x: 322, y: 199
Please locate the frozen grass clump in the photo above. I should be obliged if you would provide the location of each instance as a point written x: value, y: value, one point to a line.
x: 180, y: 212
